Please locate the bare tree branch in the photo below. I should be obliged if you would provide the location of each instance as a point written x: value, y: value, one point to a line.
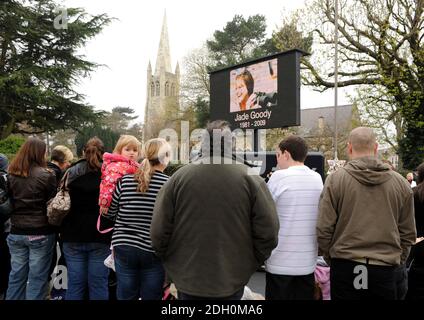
x: 356, y: 73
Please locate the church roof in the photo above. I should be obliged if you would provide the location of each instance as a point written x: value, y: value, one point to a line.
x: 309, y: 117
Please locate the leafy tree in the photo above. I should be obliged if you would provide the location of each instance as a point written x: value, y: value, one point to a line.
x: 118, y: 120
x: 274, y: 136
x: 288, y: 36
x: 380, y: 113
x: 136, y: 130
x: 202, y: 113
x: 64, y: 138
x: 381, y: 45
x: 105, y: 134
x: 115, y: 121
x: 240, y: 40
x: 39, y: 66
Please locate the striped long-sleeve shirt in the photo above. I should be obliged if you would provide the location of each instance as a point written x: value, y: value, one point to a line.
x: 133, y: 211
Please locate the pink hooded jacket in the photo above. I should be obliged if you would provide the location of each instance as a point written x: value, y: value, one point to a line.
x: 114, y: 167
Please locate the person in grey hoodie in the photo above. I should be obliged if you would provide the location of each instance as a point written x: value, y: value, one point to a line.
x: 214, y: 223
x: 366, y: 223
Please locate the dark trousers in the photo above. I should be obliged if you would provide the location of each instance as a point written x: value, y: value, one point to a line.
x: 236, y: 296
x: 416, y: 283
x: 351, y: 280
x: 401, y: 282
x: 4, y: 263
x: 416, y: 273
x: 285, y: 287
x: 55, y: 261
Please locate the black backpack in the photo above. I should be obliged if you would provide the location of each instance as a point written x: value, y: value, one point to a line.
x: 5, y: 203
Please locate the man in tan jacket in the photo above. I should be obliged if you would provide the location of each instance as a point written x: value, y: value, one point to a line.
x: 366, y: 223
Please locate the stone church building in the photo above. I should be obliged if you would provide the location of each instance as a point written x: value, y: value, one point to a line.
x: 163, y: 90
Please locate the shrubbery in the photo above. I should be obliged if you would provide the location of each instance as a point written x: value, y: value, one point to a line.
x: 11, y: 145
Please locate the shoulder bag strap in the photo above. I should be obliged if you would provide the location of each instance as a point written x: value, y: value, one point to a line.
x: 64, y: 182
x: 98, y: 225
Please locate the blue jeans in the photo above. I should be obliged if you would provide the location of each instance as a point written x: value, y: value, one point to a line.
x: 86, y: 270
x: 30, y: 261
x: 140, y: 274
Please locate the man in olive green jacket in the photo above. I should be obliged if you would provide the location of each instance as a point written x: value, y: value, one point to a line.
x: 213, y: 226
x: 366, y: 218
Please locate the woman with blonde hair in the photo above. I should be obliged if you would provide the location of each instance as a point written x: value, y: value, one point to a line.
x: 61, y: 158
x: 139, y: 271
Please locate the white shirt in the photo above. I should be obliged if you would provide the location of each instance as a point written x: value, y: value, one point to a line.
x: 296, y: 193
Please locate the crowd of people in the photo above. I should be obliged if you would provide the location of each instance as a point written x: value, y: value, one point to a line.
x: 212, y: 224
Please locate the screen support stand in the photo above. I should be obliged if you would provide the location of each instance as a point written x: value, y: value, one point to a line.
x: 255, y: 141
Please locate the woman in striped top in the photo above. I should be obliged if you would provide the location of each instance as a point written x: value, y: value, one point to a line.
x: 139, y: 272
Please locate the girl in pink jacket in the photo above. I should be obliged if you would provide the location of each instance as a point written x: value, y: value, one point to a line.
x: 122, y: 161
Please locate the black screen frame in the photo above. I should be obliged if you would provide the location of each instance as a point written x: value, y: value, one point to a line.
x: 287, y: 111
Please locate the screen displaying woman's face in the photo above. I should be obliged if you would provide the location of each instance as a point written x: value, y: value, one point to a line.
x: 241, y: 92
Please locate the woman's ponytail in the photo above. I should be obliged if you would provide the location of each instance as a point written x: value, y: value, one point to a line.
x: 153, y: 150
x: 93, y: 153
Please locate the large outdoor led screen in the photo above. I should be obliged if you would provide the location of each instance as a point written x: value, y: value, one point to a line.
x: 264, y: 93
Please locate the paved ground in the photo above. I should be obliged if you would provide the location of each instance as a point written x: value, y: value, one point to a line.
x: 257, y: 283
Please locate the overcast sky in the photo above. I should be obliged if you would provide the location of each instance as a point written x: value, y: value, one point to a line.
x: 127, y: 45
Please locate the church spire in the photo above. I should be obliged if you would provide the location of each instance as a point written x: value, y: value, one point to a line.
x: 163, y: 59
x: 149, y: 68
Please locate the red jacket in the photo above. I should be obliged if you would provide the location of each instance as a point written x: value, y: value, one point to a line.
x: 114, y: 167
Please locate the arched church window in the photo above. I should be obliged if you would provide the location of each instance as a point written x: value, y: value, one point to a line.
x: 157, y: 88
x: 152, y: 89
x: 173, y: 89
x: 167, y: 89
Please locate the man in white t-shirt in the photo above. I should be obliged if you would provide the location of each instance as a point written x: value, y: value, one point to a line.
x: 296, y: 190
